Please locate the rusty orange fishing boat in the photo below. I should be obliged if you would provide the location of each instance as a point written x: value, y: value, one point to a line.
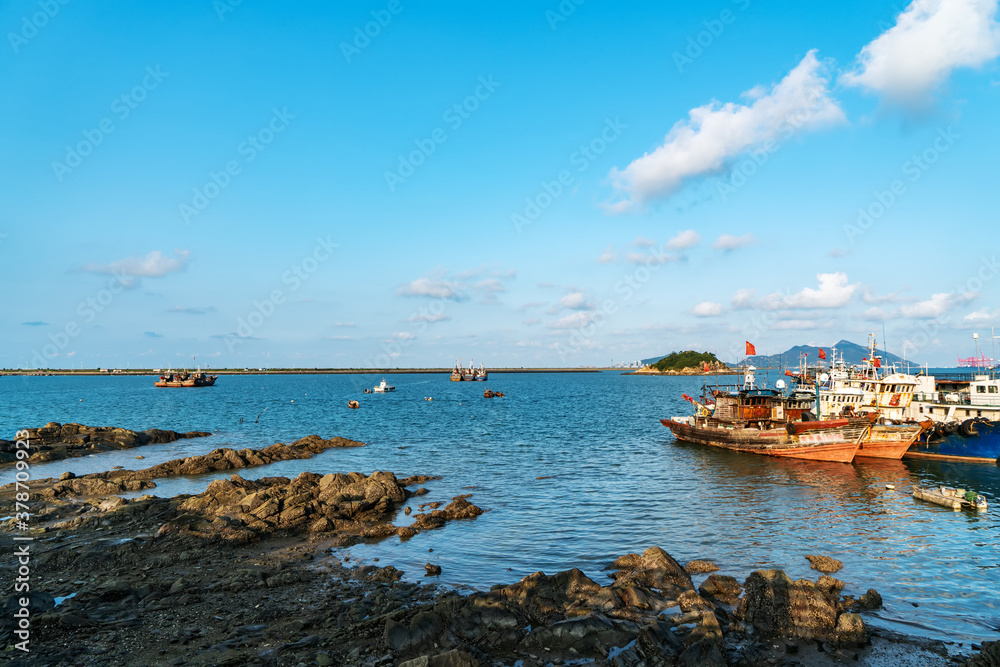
x: 768, y: 422
x: 186, y: 379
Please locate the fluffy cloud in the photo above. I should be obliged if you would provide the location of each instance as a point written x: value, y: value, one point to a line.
x: 715, y: 134
x: 575, y: 300
x: 684, y: 240
x: 642, y: 242
x: 437, y: 289
x: 573, y: 321
x: 834, y: 292
x: 730, y: 242
x: 131, y: 269
x: 930, y: 39
x: 743, y: 298
x: 937, y: 305
x: 424, y: 317
x: 708, y: 309
x: 608, y: 256
x: 981, y: 317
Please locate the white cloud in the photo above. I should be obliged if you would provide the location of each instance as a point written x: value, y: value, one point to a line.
x: 834, y: 292
x: 730, y: 242
x: 869, y: 296
x: 153, y: 265
x: 608, y: 256
x: 937, y: 305
x: 981, y: 317
x: 708, y: 309
x: 403, y: 335
x: 576, y: 300
x: 438, y: 289
x: 572, y: 321
x: 876, y: 314
x: 424, y: 317
x: 743, y: 298
x: 930, y: 39
x: 344, y: 324
x: 684, y: 240
x: 715, y: 133
x: 642, y: 242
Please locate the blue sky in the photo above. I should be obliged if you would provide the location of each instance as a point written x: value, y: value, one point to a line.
x: 402, y: 183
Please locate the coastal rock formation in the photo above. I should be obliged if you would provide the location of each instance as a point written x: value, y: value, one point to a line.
x: 119, y: 481
x: 779, y: 607
x: 701, y: 567
x: 242, y: 510
x: 54, y: 441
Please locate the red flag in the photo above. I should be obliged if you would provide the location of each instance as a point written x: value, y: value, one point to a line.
x: 878, y: 363
x: 789, y: 373
x: 751, y: 349
x: 822, y: 353
x: 706, y: 366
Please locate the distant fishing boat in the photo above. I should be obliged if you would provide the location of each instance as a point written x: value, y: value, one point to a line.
x: 185, y: 379
x: 480, y: 374
x: 383, y: 387
x: 460, y: 374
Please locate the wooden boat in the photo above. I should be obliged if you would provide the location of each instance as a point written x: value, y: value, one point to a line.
x: 768, y: 422
x: 889, y: 441
x: 957, y: 499
x: 185, y: 379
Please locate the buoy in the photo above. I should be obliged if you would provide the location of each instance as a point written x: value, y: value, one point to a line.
x: 890, y: 486
x: 353, y: 404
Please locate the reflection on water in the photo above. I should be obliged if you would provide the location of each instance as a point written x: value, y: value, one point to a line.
x: 574, y: 469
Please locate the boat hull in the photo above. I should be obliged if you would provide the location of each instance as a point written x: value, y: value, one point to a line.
x: 888, y: 442
x: 982, y: 447
x: 774, y: 442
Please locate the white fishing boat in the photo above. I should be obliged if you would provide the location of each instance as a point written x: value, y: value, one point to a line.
x: 383, y: 387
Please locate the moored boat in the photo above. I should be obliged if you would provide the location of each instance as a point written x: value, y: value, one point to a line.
x: 768, y: 422
x: 956, y: 499
x: 185, y: 379
x: 383, y: 387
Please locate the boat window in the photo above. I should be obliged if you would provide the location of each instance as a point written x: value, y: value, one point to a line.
x: 921, y: 409
x: 980, y: 389
x: 968, y: 413
x: 979, y: 413
x: 993, y: 389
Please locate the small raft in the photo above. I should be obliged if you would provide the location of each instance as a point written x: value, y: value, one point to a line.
x: 957, y: 499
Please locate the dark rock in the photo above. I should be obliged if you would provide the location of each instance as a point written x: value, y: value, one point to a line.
x: 988, y: 656
x: 432, y: 570
x: 721, y: 587
x: 778, y: 607
x: 701, y: 567
x: 590, y: 635
x: 655, y: 568
x: 66, y: 475
x: 851, y: 630
x: 824, y: 564
x: 870, y: 601
x: 420, y: 635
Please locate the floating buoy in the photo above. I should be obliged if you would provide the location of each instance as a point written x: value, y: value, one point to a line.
x: 890, y: 486
x: 428, y: 398
x: 353, y: 404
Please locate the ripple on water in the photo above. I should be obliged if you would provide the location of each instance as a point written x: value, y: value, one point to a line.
x: 616, y: 481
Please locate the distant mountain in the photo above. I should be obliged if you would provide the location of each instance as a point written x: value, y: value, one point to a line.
x: 852, y: 353
x: 651, y: 360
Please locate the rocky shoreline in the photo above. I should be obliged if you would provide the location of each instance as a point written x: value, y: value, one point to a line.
x: 253, y: 573
x: 54, y: 441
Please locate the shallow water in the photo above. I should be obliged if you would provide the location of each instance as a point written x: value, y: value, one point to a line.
x: 574, y: 470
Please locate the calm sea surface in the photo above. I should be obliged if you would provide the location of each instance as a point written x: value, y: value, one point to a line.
x: 574, y: 470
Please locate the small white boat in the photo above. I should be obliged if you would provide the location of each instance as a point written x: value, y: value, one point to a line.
x: 956, y: 499
x: 383, y: 387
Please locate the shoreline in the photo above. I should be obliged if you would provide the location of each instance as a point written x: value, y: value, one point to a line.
x: 300, y: 371
x: 185, y: 579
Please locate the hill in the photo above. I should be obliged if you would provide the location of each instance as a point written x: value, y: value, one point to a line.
x: 852, y: 353
x: 676, y: 361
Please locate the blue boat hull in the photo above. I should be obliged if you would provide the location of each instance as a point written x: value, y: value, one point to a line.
x: 985, y: 446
